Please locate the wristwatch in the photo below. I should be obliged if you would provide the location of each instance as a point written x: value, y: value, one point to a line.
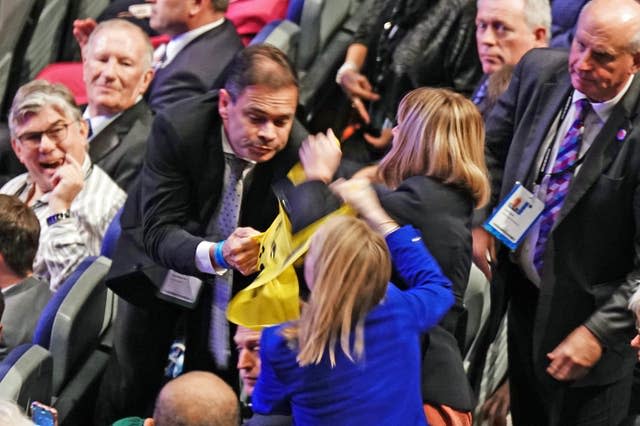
x: 55, y: 218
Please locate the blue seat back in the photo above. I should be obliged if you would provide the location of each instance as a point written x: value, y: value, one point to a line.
x: 294, y: 10
x: 12, y: 357
x: 111, y: 236
x: 42, y: 333
x: 26, y: 375
x: 72, y: 323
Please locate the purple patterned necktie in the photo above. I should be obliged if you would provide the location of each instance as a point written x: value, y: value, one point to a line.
x: 480, y: 94
x: 559, y: 181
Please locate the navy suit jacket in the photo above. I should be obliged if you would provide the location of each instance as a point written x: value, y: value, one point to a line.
x: 592, y: 259
x: 197, y: 68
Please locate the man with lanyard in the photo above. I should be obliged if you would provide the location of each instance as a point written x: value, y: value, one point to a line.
x: 562, y: 150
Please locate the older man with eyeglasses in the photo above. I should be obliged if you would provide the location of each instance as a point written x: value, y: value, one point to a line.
x: 74, y: 200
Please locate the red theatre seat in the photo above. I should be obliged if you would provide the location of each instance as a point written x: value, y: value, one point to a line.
x: 69, y: 74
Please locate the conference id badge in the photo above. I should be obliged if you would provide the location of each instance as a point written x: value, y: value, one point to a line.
x: 180, y: 289
x: 513, y: 218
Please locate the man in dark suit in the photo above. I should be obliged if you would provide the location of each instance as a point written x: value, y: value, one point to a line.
x: 570, y: 136
x: 506, y: 30
x: 24, y: 295
x: 202, y: 44
x: 117, y: 71
x: 185, y: 177
x: 175, y: 212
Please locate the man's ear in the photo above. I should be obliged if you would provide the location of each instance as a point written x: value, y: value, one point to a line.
x: 195, y: 6
x: 636, y: 62
x: 224, y: 101
x: 541, y: 37
x: 147, y: 78
x: 84, y: 127
x: 148, y: 422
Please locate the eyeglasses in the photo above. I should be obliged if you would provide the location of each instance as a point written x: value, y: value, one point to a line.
x: 56, y: 134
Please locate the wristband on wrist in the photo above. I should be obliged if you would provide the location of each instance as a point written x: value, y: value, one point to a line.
x: 347, y: 66
x: 218, y: 257
x: 57, y: 217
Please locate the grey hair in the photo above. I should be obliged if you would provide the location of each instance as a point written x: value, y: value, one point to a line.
x: 122, y: 24
x: 38, y: 94
x: 634, y: 43
x: 11, y: 414
x: 537, y: 13
x: 634, y: 303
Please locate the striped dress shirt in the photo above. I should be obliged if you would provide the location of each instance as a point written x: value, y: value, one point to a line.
x: 66, y: 243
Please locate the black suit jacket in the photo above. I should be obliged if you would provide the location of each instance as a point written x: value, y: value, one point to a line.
x: 442, y: 213
x: 167, y: 212
x: 197, y: 68
x: 119, y: 148
x: 592, y: 258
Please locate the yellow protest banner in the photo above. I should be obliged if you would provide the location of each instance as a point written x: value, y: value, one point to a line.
x: 272, y: 298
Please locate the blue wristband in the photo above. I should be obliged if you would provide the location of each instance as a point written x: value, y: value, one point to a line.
x: 219, y: 258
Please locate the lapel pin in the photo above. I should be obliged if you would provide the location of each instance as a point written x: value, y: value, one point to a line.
x: 622, y: 133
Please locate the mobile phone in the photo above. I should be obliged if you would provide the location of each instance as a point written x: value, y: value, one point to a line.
x: 43, y: 415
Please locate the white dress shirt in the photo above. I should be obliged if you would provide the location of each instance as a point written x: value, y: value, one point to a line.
x: 601, y: 111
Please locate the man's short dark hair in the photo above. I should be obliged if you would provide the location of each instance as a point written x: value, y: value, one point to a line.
x: 19, y: 234
x: 220, y: 5
x: 260, y: 64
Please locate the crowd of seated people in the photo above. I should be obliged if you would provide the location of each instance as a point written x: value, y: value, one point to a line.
x: 469, y: 141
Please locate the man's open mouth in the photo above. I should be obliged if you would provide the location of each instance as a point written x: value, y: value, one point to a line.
x: 52, y: 164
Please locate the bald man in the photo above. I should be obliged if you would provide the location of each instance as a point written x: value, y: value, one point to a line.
x: 568, y: 129
x: 197, y: 398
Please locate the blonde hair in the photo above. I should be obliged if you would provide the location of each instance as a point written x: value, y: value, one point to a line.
x: 351, y: 271
x: 440, y: 134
